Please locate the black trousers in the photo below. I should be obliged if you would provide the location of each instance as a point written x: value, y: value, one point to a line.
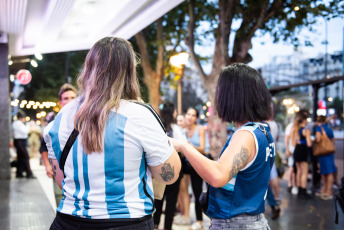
x: 64, y: 222
x: 23, y: 160
x: 196, y: 184
x: 171, y: 196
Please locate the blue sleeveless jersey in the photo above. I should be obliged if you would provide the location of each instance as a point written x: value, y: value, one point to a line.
x: 246, y: 192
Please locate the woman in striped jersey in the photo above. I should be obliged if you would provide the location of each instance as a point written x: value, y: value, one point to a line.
x: 107, y: 177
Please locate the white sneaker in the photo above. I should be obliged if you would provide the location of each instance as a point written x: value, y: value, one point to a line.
x: 181, y: 220
x: 196, y: 226
x: 294, y: 191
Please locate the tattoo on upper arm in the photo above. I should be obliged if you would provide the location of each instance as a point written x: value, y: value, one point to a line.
x: 167, y: 172
x: 52, y: 166
x: 239, y: 161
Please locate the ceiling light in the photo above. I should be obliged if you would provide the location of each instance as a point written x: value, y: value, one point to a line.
x: 34, y: 63
x: 38, y: 56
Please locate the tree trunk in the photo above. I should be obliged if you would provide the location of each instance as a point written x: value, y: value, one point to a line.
x: 153, y: 85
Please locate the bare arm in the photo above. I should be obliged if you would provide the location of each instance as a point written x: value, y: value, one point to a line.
x: 168, y: 172
x: 239, y: 152
x: 58, y: 174
x: 307, y: 134
x: 286, y: 143
x: 201, y: 133
x: 47, y: 165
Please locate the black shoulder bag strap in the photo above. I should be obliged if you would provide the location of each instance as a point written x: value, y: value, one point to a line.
x: 149, y: 107
x: 67, y: 148
x: 156, y: 115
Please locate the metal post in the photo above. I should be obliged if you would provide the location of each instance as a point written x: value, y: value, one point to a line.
x: 5, y: 172
x: 315, y: 101
x: 326, y: 51
x: 180, y: 92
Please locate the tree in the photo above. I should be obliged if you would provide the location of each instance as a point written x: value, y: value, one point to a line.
x: 282, y: 19
x: 152, y: 42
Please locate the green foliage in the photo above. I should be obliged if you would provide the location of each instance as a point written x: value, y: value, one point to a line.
x: 51, y: 74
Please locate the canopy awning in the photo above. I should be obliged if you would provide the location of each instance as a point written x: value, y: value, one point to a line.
x: 50, y: 26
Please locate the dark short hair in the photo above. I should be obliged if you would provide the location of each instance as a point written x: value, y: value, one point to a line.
x: 321, y: 119
x: 66, y: 87
x: 21, y: 114
x: 241, y: 95
x: 166, y: 114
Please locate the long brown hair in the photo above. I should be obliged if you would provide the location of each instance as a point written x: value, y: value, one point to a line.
x: 108, y: 75
x: 298, y: 120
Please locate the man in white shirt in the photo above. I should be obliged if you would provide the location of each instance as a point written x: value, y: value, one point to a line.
x: 66, y: 94
x: 20, y: 135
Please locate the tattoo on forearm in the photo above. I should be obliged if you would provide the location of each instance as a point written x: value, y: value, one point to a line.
x: 167, y: 172
x: 239, y: 161
x: 52, y: 166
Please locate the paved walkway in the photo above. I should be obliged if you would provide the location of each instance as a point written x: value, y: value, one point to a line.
x: 29, y: 204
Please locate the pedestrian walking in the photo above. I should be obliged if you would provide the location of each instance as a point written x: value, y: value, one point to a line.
x: 327, y: 165
x: 67, y: 93
x: 239, y: 178
x: 168, y: 115
x: 120, y: 145
x: 20, y: 136
x: 301, y: 138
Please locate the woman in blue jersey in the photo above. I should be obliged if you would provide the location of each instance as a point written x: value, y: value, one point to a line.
x: 327, y: 166
x: 239, y: 178
x: 301, y: 139
x: 107, y: 180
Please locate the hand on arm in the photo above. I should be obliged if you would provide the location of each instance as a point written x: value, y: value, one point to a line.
x: 47, y: 165
x: 239, y: 152
x: 58, y: 174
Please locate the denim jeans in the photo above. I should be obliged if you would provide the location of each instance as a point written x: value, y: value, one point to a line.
x: 241, y: 222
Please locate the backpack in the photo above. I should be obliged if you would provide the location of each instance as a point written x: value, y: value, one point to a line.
x: 339, y: 199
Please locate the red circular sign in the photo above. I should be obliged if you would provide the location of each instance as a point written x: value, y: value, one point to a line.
x: 24, y: 76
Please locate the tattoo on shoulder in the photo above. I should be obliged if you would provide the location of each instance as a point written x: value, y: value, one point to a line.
x: 239, y: 161
x: 52, y: 166
x: 167, y: 172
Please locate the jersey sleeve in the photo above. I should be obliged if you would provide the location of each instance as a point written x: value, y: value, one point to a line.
x: 48, y: 142
x: 154, y: 140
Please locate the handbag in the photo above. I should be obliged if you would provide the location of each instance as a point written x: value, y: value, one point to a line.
x: 204, y: 200
x: 324, y: 147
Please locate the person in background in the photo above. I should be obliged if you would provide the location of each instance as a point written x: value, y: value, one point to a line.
x: 239, y: 179
x: 20, y: 133
x: 301, y: 138
x: 273, y: 197
x: 66, y: 94
x: 183, y: 196
x: 35, y: 135
x: 168, y: 116
x: 196, y: 136
x: 289, y: 150
x: 327, y: 166
x: 121, y: 144
x: 181, y: 121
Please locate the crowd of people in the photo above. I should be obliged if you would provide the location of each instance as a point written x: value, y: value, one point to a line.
x: 105, y: 147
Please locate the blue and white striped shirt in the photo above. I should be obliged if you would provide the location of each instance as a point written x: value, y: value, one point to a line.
x: 110, y: 184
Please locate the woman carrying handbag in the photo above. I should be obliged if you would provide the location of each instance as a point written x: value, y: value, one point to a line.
x: 327, y: 166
